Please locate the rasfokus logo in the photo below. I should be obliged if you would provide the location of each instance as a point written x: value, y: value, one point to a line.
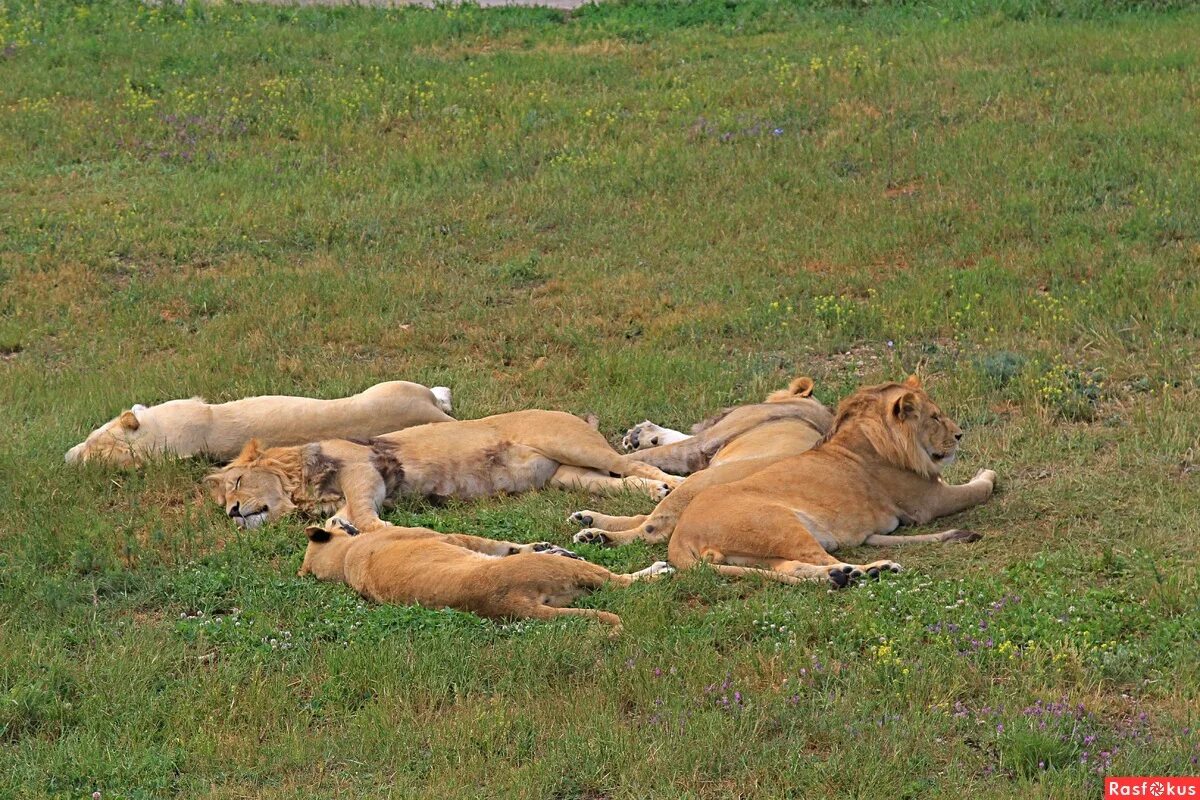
x: 1151, y: 786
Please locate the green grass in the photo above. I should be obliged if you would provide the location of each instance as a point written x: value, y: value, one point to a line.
x: 643, y: 211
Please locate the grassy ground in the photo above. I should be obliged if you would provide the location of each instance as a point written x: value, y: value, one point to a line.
x: 638, y: 212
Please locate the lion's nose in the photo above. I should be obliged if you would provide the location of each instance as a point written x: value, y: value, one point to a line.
x: 235, y: 510
x: 958, y: 436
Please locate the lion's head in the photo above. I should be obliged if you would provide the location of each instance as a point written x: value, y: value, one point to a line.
x: 258, y: 486
x: 902, y: 424
x: 327, y: 562
x: 117, y: 442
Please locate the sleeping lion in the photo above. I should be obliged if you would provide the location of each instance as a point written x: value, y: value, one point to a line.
x: 878, y: 468
x: 735, y: 434
x: 488, y: 577
x: 185, y: 428
x: 506, y: 453
x: 731, y: 446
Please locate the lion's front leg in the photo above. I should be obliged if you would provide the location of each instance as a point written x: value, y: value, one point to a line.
x: 946, y: 500
x: 363, y: 492
x: 495, y: 547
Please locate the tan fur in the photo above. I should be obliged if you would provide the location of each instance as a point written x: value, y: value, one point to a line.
x: 487, y: 577
x: 876, y: 470
x: 721, y: 433
x: 737, y: 443
x: 506, y: 453
x: 184, y: 428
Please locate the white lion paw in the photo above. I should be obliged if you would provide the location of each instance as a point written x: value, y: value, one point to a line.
x: 988, y: 475
x: 444, y: 399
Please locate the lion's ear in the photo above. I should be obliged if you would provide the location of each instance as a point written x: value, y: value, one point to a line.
x: 912, y: 382
x: 251, y: 451
x: 317, y: 534
x: 802, y: 386
x: 215, y: 483
x: 905, y: 406
x: 129, y: 421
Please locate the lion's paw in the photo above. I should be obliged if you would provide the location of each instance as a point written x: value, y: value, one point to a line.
x: 877, y: 568
x: 348, y: 527
x: 584, y: 518
x: 987, y: 475
x: 644, y: 434
x: 590, y: 536
x: 548, y: 549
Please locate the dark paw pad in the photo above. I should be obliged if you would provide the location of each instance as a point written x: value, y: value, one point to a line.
x: 873, y: 573
x: 562, y: 551
x: 838, y: 579
x: 591, y: 537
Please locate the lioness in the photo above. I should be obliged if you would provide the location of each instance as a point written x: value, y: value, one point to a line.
x: 876, y: 470
x: 505, y: 453
x: 484, y: 576
x: 734, y: 434
x: 193, y: 427
x: 737, y: 443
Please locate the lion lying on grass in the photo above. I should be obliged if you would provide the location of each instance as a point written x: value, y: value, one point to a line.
x: 488, y: 577
x: 506, y: 453
x: 193, y: 427
x: 734, y: 434
x: 735, y: 444
x: 877, y: 469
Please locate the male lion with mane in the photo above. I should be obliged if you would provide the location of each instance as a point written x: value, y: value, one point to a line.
x: 878, y: 468
x: 505, y: 453
x: 487, y: 577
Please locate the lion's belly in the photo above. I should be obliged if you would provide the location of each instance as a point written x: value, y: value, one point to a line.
x: 819, y: 531
x: 505, y: 469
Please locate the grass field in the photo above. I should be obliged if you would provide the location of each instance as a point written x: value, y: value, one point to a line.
x: 640, y: 211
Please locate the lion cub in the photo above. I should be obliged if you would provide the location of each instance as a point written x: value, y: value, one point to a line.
x: 487, y: 577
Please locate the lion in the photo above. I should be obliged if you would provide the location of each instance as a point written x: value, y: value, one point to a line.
x: 185, y: 428
x: 878, y: 468
x: 505, y: 453
x: 490, y: 578
x: 737, y: 433
x: 731, y: 446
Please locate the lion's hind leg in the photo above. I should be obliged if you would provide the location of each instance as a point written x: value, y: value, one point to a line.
x: 771, y: 542
x: 547, y: 612
x: 590, y: 480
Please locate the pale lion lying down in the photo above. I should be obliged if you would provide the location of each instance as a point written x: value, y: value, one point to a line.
x: 193, y: 427
x: 488, y: 577
x: 505, y: 453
